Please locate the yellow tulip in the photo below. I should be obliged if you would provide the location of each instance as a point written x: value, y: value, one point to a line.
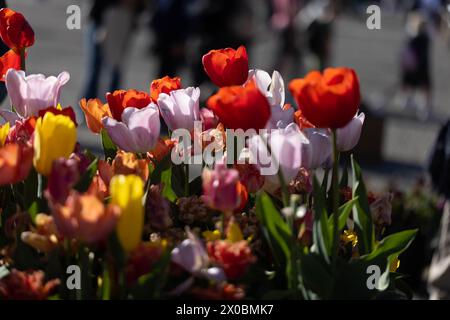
x: 4, y: 130
x: 55, y: 136
x: 127, y: 193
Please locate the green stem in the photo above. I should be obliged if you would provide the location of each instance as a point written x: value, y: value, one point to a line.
x: 40, y: 187
x: 186, y: 180
x: 335, y: 190
x: 22, y: 59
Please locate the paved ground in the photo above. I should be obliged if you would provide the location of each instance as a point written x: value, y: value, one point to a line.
x: 374, y: 54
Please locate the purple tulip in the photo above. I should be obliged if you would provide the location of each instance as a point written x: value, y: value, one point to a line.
x: 139, y: 130
x: 64, y: 175
x: 320, y: 148
x: 30, y: 94
x: 348, y: 136
x: 180, y: 108
x: 220, y: 188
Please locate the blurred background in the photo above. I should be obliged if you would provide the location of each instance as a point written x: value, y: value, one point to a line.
x: 404, y: 70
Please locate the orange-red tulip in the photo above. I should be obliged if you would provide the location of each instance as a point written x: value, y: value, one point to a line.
x: 15, y: 163
x: 241, y: 107
x: 328, y: 100
x: 164, y: 85
x: 94, y: 110
x: 15, y: 31
x: 121, y: 99
x: 227, y: 67
x: 10, y: 60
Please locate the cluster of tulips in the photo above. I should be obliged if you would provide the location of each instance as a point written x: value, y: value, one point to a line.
x: 139, y: 226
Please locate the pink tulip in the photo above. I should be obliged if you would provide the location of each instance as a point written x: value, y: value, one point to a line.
x: 220, y: 188
x: 209, y: 119
x: 320, y: 148
x: 180, y: 108
x: 35, y: 92
x: 139, y: 130
x: 348, y: 136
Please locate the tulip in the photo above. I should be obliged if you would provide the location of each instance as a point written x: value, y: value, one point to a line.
x: 4, y: 130
x: 241, y: 107
x: 320, y: 148
x: 127, y: 163
x: 22, y: 131
x: 226, y: 67
x: 54, y: 137
x: 15, y: 162
x: 164, y: 85
x: 59, y: 110
x: 209, y: 119
x: 15, y: 31
x: 273, y: 89
x: 161, y: 150
x: 26, y: 285
x: 84, y: 217
x: 127, y: 193
x: 121, y: 99
x: 64, y: 175
x: 94, y: 110
x: 220, y: 188
x: 180, y: 108
x: 10, y: 60
x: 30, y: 94
x: 139, y: 130
x: 381, y: 209
x: 348, y: 136
x: 191, y: 255
x: 328, y: 100
x: 289, y: 148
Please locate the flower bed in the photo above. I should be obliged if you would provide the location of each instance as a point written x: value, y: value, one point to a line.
x: 243, y: 199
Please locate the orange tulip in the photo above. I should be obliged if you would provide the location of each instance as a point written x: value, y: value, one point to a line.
x: 127, y: 163
x: 164, y: 85
x: 10, y: 60
x: 227, y: 67
x: 328, y: 100
x: 94, y: 110
x: 121, y: 99
x: 162, y: 149
x: 241, y: 107
x: 15, y: 163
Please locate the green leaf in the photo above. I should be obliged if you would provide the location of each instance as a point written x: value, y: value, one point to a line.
x: 163, y: 165
x: 109, y: 148
x: 166, y: 180
x: 316, y: 276
x: 344, y: 179
x: 361, y: 212
x: 275, y: 229
x: 344, y: 213
x: 321, y: 233
x: 86, y: 179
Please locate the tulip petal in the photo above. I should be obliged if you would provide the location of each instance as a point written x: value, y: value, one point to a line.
x: 348, y: 136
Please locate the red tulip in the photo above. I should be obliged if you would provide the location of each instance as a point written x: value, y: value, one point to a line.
x: 227, y: 67
x: 328, y: 100
x: 241, y: 107
x: 164, y: 85
x: 121, y: 99
x: 9, y: 60
x: 15, y: 31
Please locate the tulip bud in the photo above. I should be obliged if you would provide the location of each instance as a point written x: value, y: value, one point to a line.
x: 127, y: 193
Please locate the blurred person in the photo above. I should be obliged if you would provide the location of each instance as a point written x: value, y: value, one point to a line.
x: 220, y: 24
x: 171, y: 23
x: 111, y: 25
x: 415, y: 64
x: 283, y: 22
x: 439, y: 168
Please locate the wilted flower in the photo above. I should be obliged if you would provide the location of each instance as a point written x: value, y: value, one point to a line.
x: 220, y: 188
x: 127, y: 193
x: 84, y: 217
x: 301, y: 183
x: 94, y: 110
x: 22, y: 285
x: 250, y: 177
x: 234, y: 257
x: 226, y: 67
x: 180, y: 108
x: 381, y: 209
x: 138, y: 131
x: 22, y: 131
x: 32, y: 93
x: 157, y: 208
x: 119, y: 100
x: 54, y: 137
x: 164, y: 85
x: 348, y: 136
x: 45, y: 236
x: 15, y: 163
x: 192, y: 209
